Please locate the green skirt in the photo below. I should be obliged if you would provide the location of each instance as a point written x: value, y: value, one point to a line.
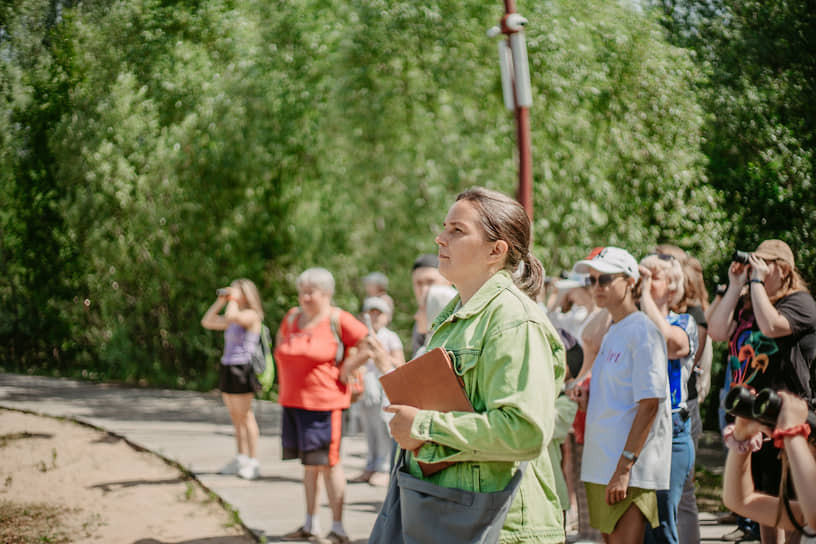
x: 605, y: 517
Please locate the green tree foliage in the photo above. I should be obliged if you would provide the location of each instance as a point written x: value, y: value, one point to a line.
x: 760, y: 114
x: 40, y: 270
x: 760, y: 121
x: 189, y: 143
x: 618, y: 134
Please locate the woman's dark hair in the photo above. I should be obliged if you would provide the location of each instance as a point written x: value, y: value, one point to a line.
x: 504, y: 219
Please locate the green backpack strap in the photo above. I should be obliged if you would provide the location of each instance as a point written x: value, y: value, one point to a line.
x: 334, y: 321
x: 270, y: 374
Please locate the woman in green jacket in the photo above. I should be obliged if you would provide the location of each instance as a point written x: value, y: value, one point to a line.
x: 511, y: 361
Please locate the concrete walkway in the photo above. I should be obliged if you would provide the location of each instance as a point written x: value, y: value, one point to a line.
x: 193, y: 429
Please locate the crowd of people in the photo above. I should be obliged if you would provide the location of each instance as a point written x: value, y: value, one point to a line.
x: 585, y: 390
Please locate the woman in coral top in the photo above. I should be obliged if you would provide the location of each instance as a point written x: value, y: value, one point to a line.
x: 316, y: 348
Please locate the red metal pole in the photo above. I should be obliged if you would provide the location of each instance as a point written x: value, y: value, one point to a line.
x: 525, y: 188
x: 524, y: 194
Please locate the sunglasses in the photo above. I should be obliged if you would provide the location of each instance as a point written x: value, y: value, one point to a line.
x: 662, y: 256
x: 604, y: 279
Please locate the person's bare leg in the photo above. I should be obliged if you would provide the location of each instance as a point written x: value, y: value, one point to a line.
x: 568, y: 470
x: 248, y: 427
x: 336, y: 489
x: 630, y: 528
x: 311, y: 486
x: 771, y: 535
x: 230, y: 401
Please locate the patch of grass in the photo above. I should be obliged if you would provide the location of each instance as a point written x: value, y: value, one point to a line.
x: 235, y: 517
x: 189, y: 492
x: 31, y: 523
x: 708, y: 490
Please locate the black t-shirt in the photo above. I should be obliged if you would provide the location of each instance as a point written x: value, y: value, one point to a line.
x: 699, y: 317
x: 778, y: 363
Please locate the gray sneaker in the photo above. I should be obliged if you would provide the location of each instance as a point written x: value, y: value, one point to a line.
x: 232, y: 467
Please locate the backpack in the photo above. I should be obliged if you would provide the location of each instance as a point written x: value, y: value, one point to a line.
x: 262, y: 356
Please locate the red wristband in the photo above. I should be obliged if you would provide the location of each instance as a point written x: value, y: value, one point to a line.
x: 780, y: 434
x: 232, y: 299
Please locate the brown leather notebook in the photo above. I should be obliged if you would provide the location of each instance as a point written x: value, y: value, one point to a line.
x: 428, y: 383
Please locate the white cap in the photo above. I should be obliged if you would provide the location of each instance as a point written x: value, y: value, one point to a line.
x: 376, y: 303
x: 573, y: 280
x: 611, y: 260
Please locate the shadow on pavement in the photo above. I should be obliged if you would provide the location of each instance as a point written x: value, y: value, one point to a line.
x: 110, y: 486
x: 210, y: 540
x: 128, y: 403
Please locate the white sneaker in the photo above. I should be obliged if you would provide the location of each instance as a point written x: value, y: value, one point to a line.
x: 234, y: 466
x: 251, y: 470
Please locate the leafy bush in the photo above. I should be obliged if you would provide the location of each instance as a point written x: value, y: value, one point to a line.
x: 156, y: 150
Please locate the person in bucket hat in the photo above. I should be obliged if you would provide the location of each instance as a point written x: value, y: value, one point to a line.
x: 768, y: 317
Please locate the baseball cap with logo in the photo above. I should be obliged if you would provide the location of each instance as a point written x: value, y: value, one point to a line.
x: 610, y: 260
x: 773, y: 250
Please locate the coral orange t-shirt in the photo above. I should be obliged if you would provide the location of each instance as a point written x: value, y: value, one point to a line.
x: 307, y: 372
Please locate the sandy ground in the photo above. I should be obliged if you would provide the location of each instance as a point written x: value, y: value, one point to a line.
x: 96, y: 488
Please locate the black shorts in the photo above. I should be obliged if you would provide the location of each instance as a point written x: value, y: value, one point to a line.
x: 238, y: 379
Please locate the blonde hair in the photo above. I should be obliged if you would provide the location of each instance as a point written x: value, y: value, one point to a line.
x: 251, y: 294
x: 696, y: 292
x: 674, y: 275
x: 792, y: 282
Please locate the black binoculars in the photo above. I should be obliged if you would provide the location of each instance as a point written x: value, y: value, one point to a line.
x: 740, y: 256
x: 762, y: 407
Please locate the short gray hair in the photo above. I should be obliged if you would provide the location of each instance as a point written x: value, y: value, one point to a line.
x: 376, y: 278
x: 316, y: 277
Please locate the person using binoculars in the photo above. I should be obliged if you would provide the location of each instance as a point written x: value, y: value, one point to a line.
x: 241, y: 322
x: 768, y: 318
x: 791, y: 431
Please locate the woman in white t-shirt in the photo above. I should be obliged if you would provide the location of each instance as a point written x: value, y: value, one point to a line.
x: 628, y: 426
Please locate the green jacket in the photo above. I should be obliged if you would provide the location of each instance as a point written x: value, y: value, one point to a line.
x: 512, y: 363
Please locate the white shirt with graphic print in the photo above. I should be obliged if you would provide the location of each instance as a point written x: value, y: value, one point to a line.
x: 630, y: 366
